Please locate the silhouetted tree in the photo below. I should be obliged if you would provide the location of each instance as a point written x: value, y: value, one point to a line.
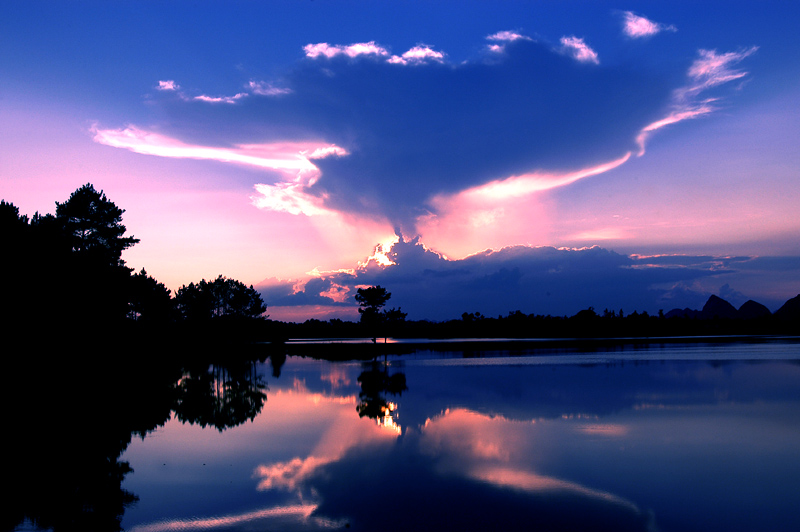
x: 93, y: 225
x: 370, y: 302
x: 376, y: 382
x: 220, y: 396
x: 395, y: 319
x: 221, y: 297
x: 149, y: 301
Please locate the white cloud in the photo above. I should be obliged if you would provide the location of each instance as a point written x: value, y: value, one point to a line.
x: 221, y: 99
x: 288, y: 157
x: 579, y: 50
x: 419, y: 54
x: 501, y: 38
x: 168, y: 85
x: 262, y: 88
x: 507, y: 36
x: 352, y: 50
x: 636, y: 27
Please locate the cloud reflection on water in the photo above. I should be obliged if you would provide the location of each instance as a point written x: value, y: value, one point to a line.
x: 613, y: 446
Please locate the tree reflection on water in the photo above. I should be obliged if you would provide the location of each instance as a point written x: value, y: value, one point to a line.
x: 376, y: 382
x: 219, y: 396
x: 73, y: 419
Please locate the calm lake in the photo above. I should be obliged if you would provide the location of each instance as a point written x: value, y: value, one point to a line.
x: 673, y: 437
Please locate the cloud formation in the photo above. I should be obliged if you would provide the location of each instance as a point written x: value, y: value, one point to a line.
x: 408, y: 131
x: 637, y: 27
x: 710, y: 70
x: 578, y: 49
x: 563, y: 281
x: 292, y: 158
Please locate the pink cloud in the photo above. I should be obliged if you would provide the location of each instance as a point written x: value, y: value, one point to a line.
x: 288, y: 197
x: 501, y: 213
x: 712, y: 69
x: 418, y: 54
x: 507, y: 36
x: 524, y: 184
x: 489, y: 449
x: 579, y: 50
x: 288, y: 157
x: 300, y: 512
x: 501, y: 38
x: 709, y: 70
x: 635, y: 26
x: 352, y: 50
x: 168, y: 85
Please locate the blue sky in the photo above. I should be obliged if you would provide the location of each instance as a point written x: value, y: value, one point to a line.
x: 534, y: 156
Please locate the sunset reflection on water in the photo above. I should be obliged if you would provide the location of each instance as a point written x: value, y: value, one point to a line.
x: 615, y: 446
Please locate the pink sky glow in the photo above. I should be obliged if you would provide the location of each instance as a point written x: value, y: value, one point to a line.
x: 272, y: 155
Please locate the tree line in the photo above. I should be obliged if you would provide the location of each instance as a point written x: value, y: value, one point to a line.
x: 64, y: 273
x: 64, y: 277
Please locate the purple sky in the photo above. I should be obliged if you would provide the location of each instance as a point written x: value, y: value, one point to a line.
x: 534, y: 156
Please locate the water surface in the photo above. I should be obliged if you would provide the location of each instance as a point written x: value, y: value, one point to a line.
x: 678, y: 437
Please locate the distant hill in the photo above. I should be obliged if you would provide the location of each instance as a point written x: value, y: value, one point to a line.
x: 790, y: 310
x: 716, y: 307
x: 753, y: 310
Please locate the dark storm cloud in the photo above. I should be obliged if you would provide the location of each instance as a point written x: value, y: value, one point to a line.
x: 415, y: 129
x: 534, y: 280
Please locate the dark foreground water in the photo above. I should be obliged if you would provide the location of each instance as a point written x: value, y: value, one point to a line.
x: 680, y: 437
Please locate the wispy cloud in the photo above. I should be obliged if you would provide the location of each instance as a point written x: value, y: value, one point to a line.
x: 711, y: 69
x: 221, y: 99
x: 395, y: 137
x: 292, y: 158
x: 637, y: 27
x: 520, y: 185
x: 577, y: 48
x: 501, y: 38
x: 263, y: 88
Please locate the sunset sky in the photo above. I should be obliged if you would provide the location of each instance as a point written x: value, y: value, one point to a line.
x: 542, y: 156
